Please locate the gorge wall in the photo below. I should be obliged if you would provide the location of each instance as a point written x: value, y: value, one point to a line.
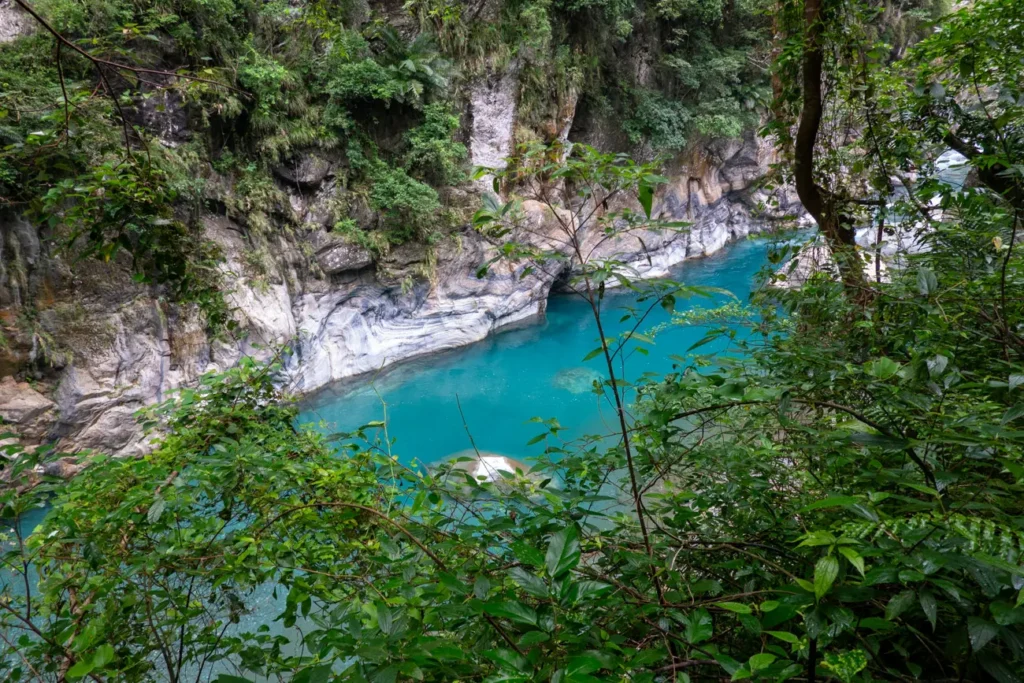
x: 100, y: 345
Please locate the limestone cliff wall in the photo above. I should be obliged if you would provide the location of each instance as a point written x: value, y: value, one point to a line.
x: 98, y: 345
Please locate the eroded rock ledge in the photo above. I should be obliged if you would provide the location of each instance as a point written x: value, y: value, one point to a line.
x: 99, y: 346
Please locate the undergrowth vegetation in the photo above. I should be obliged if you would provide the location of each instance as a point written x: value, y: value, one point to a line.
x: 842, y: 501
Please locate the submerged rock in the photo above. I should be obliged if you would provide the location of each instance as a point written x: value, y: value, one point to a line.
x: 577, y: 380
x: 487, y: 466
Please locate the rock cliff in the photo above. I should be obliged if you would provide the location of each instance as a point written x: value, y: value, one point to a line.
x: 94, y: 346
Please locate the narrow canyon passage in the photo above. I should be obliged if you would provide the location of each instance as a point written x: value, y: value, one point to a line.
x: 535, y: 370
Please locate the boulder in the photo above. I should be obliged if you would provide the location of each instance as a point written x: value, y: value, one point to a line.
x: 485, y: 466
x: 65, y: 468
x: 26, y: 409
x: 14, y: 22
x: 307, y: 170
x: 338, y: 256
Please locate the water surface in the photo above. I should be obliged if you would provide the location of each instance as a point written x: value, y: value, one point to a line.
x: 536, y: 370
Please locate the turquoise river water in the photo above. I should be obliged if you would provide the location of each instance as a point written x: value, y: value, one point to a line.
x: 535, y: 370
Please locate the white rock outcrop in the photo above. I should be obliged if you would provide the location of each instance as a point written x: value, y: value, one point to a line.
x: 492, y: 99
x: 342, y: 312
x: 14, y: 21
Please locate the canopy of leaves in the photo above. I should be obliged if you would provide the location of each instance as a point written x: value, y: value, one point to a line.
x: 842, y: 500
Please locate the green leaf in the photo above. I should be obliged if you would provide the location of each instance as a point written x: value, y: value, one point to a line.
x: 937, y: 365
x: 582, y: 664
x: 929, y: 607
x: 82, y: 668
x: 707, y: 339
x: 845, y: 665
x: 387, y: 674
x: 513, y: 611
x: 531, y: 583
x: 876, y: 624
x: 760, y: 661
x: 533, y: 637
x: 385, y: 620
x: 104, y: 655
x: 825, y: 573
x: 314, y: 674
x: 882, y: 368
x: 563, y: 552
x: 527, y: 554
x: 737, y: 607
x: 156, y: 509
x: 645, y: 194
x: 927, y: 283
x: 980, y: 632
x: 481, y: 587
x: 898, y: 604
x: 443, y: 651
x: 730, y: 665
x: 817, y: 538
x: 784, y: 636
x: 593, y: 354
x: 699, y: 626
x: 1012, y: 414
x: 854, y: 558
x: 999, y: 669
x: 590, y: 589
x: 999, y: 564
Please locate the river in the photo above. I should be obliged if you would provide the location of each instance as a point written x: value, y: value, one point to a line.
x: 535, y: 370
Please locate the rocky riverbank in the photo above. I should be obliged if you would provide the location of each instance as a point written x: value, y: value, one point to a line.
x: 126, y: 349
x: 113, y: 347
x: 83, y: 345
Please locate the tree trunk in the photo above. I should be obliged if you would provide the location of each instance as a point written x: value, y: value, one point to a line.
x: 994, y: 177
x: 834, y: 223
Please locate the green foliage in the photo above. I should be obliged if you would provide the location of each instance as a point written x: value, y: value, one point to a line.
x: 200, y: 503
x: 407, y: 206
x: 662, y: 121
x: 129, y: 207
x: 844, y: 498
x: 402, y: 73
x: 696, y: 75
x: 433, y: 155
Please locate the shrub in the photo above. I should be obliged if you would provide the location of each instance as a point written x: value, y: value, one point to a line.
x: 433, y: 155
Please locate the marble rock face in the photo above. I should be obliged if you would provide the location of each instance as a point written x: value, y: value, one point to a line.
x: 14, y: 22
x: 342, y: 310
x: 24, y: 409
